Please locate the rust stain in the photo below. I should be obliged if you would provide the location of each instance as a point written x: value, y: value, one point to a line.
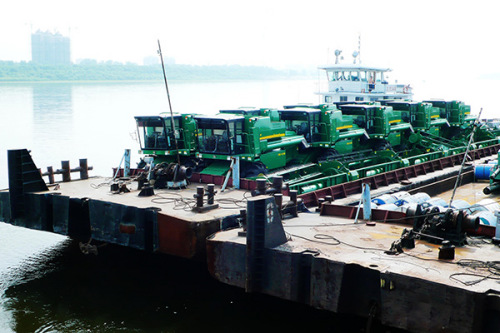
x: 384, y: 236
x: 127, y: 228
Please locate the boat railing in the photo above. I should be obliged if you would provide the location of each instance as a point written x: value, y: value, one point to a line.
x: 366, y: 87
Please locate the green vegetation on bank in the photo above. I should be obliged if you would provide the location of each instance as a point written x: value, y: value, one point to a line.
x: 92, y: 71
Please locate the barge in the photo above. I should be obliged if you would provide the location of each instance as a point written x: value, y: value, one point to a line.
x: 240, y: 190
x: 328, y: 262
x: 329, y: 259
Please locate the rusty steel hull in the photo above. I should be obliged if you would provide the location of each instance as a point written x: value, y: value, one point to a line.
x: 333, y: 264
x: 90, y: 213
x: 78, y: 210
x: 347, y: 271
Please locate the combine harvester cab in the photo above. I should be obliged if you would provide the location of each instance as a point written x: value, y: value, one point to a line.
x: 384, y: 126
x: 324, y: 126
x: 456, y: 112
x: 169, y: 143
x: 462, y: 123
x: 340, y: 146
x: 428, y: 128
x: 254, y: 136
x: 422, y: 116
x: 157, y: 137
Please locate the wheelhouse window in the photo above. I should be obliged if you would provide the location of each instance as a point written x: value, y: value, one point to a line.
x: 363, y: 76
x: 343, y: 98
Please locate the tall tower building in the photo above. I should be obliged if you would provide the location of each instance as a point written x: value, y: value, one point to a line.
x: 50, y: 48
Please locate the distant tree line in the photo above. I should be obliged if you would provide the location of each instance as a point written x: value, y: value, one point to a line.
x: 91, y: 70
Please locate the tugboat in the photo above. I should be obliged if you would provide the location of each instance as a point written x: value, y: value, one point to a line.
x: 355, y: 82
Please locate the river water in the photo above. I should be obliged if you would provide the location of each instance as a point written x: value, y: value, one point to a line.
x: 47, y: 285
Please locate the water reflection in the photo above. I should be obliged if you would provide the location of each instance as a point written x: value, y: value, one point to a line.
x: 52, y: 110
x: 126, y: 290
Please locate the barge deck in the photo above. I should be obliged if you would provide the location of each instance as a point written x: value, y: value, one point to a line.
x: 332, y: 263
x: 325, y: 261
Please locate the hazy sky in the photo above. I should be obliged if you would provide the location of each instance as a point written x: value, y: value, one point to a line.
x: 430, y: 36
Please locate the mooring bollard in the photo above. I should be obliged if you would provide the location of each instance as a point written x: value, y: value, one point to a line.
x: 65, y: 171
x: 278, y: 183
x: 211, y: 193
x: 200, y: 192
x: 321, y: 201
x: 293, y: 198
x: 84, y: 170
x: 50, y: 173
x: 261, y: 187
x: 278, y: 198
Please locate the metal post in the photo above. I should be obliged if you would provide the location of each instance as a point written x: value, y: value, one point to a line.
x: 278, y: 198
x: 243, y: 218
x: 465, y: 157
x: 496, y: 239
x: 278, y: 183
x: 321, y: 201
x: 293, y: 198
x: 120, y: 165
x: 200, y: 192
x: 236, y: 172
x: 367, y: 205
x: 211, y: 194
x: 84, y: 169
x: 261, y: 186
x: 66, y: 171
x: 50, y: 172
x: 126, y: 168
x: 359, y: 204
x: 227, y: 176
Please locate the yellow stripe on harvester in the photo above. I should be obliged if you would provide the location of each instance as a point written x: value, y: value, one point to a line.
x: 344, y: 127
x: 272, y: 136
x: 394, y: 121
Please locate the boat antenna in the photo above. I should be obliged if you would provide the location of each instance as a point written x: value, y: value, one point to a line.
x: 169, y: 104
x: 476, y: 122
x: 359, y: 48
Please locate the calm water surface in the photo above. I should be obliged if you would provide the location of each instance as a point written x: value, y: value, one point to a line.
x: 47, y: 285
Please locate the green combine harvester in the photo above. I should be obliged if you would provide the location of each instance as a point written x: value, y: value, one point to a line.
x: 313, y: 146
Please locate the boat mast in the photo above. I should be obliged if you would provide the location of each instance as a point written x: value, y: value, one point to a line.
x: 359, y: 48
x: 169, y: 104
